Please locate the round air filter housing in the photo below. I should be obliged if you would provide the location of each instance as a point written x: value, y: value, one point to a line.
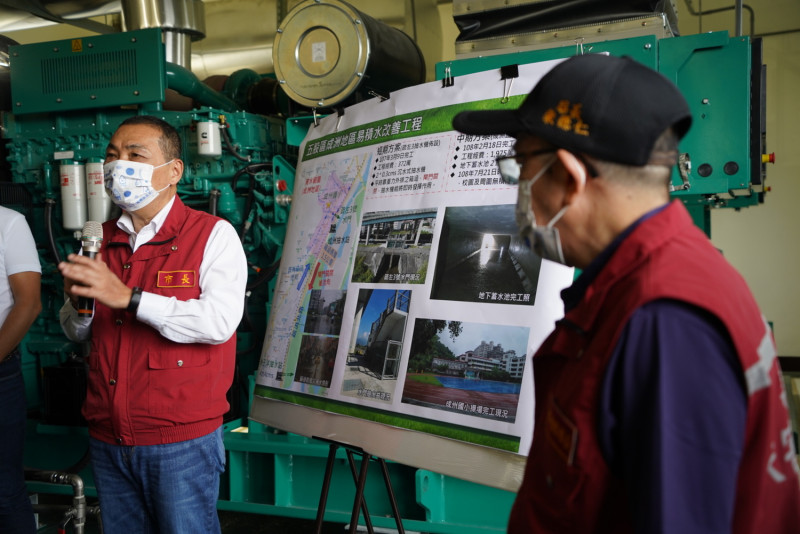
x: 326, y: 52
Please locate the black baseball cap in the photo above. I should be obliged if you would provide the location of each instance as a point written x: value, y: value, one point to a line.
x: 611, y: 108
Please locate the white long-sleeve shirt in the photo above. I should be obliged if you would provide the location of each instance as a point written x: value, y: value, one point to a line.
x: 213, y: 318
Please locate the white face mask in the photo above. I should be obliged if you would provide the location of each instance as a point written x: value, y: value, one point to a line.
x: 544, y: 240
x: 130, y: 183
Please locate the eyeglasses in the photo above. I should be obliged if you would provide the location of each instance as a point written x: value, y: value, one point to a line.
x: 511, y: 165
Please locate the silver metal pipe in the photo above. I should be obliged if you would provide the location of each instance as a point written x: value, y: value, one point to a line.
x: 177, y: 48
x: 738, y: 18
x: 185, y: 16
x: 738, y: 7
x: 77, y: 512
x: 181, y: 21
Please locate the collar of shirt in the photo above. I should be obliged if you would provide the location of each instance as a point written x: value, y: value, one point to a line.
x: 148, y: 232
x: 574, y: 293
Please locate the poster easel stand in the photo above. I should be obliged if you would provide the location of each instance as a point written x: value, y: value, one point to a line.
x: 360, y: 480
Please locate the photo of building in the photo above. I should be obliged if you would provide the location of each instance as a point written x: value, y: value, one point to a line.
x: 376, y: 346
x: 452, y: 367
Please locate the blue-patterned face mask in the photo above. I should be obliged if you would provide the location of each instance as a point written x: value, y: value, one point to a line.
x: 130, y: 183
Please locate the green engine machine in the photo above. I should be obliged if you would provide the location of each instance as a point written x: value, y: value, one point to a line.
x: 240, y: 152
x: 68, y: 97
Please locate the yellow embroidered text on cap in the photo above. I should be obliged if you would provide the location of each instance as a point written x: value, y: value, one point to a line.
x: 567, y: 117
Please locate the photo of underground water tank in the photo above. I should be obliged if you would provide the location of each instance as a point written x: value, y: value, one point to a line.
x: 482, y: 258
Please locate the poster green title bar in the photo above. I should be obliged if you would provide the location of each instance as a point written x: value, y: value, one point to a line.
x: 424, y: 122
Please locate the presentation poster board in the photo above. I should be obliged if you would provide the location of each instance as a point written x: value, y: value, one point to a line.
x: 407, y: 308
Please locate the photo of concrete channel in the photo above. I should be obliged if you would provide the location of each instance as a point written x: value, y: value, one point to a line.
x: 394, y: 246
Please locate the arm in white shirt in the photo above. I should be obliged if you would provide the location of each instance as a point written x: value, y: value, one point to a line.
x: 213, y: 318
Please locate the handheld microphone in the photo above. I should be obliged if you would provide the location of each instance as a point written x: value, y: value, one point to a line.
x: 91, y: 239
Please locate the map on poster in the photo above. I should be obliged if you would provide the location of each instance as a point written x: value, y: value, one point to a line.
x: 405, y: 295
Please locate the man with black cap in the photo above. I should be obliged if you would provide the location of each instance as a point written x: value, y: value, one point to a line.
x: 659, y: 400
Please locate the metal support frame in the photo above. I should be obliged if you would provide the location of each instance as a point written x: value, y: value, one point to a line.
x: 360, y: 480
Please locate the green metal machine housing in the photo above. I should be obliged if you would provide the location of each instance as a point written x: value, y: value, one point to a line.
x: 723, y: 157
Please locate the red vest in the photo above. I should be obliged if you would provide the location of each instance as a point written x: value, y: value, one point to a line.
x: 143, y: 388
x: 567, y: 485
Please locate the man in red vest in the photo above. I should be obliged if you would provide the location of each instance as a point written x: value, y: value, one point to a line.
x: 168, y: 287
x: 659, y: 400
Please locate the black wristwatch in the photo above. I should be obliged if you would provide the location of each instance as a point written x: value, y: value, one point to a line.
x: 136, y: 296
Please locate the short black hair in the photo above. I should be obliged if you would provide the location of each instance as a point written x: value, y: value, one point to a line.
x: 170, y: 140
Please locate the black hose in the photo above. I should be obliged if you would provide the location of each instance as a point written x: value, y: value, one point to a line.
x: 74, y: 469
x: 78, y: 466
x: 248, y: 205
x: 48, y: 218
x: 246, y: 325
x: 230, y: 147
x: 252, y: 170
x: 265, y: 275
x: 249, y: 169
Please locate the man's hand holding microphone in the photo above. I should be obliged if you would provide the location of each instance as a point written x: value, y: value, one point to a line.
x: 87, y: 277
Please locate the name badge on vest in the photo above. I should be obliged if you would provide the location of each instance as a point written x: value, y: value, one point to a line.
x: 561, y: 432
x: 177, y: 279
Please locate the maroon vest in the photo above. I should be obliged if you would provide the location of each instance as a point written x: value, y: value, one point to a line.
x: 567, y: 485
x: 143, y: 388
